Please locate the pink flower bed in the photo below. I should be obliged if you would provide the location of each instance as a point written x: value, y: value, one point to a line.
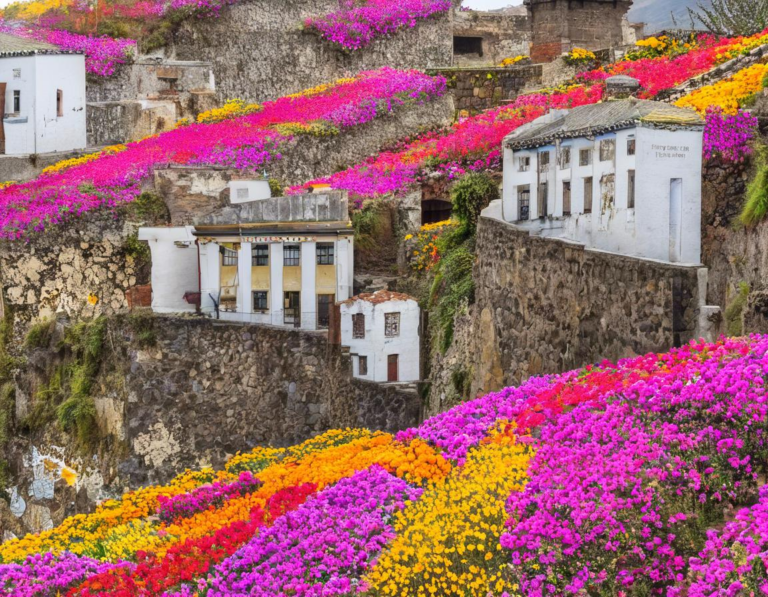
x: 102, y: 54
x: 358, y: 24
x: 248, y: 142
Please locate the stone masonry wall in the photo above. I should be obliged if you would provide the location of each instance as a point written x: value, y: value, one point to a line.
x: 57, y: 269
x: 546, y: 306
x: 207, y: 390
x: 478, y: 89
x: 200, y: 394
x: 560, y: 25
x: 259, y: 51
x: 503, y: 36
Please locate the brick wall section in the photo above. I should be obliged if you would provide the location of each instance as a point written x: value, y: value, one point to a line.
x: 477, y: 89
x: 547, y: 306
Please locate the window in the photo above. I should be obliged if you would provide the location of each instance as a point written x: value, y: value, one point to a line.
x: 324, y: 304
x: 292, y: 313
x: 523, y: 202
x: 588, y: 195
x: 543, y: 161
x: 358, y: 326
x: 607, y: 150
x: 631, y: 146
x: 565, y: 158
x: 260, y: 301
x: 228, y: 256
x: 59, y: 103
x: 467, y: 45
x: 291, y: 255
x: 543, y: 199
x: 17, y: 73
x: 607, y: 192
x: 242, y: 194
x: 16, y: 101
x: 524, y: 163
x: 362, y: 365
x: 392, y: 325
x: 259, y: 255
x: 324, y: 254
x: 585, y: 157
x: 631, y: 190
x: 567, y: 198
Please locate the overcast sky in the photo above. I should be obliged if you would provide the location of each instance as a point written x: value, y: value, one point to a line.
x: 488, y: 4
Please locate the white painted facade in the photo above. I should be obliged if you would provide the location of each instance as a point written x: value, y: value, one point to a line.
x: 174, y: 267
x: 234, y: 294
x: 662, y: 223
x: 243, y: 191
x: 381, y: 354
x: 45, y: 103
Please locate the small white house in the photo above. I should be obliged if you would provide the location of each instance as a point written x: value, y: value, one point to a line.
x: 621, y: 176
x: 43, y: 88
x: 382, y: 331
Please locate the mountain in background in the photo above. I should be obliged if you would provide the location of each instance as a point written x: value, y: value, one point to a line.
x: 663, y: 14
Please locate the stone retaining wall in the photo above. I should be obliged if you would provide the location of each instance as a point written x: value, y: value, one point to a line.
x: 477, y: 89
x: 259, y: 51
x: 547, y: 306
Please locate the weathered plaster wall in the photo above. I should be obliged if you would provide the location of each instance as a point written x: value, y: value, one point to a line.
x: 200, y: 394
x: 478, y: 89
x: 546, y: 306
x: 259, y: 51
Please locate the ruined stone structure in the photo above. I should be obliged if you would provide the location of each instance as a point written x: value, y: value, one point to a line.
x: 487, y: 38
x: 560, y: 25
x: 259, y: 51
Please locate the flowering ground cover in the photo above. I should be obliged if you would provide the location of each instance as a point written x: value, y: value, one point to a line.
x: 612, y: 479
x: 245, y: 142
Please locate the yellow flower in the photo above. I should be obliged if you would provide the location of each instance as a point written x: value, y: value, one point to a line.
x: 93, y: 299
x: 729, y: 93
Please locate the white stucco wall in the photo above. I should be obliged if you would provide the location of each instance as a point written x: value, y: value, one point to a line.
x: 376, y: 346
x: 38, y: 128
x: 643, y: 231
x: 174, y: 267
x: 245, y: 191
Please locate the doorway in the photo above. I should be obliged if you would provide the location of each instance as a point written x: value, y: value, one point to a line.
x: 675, y: 219
x: 292, y: 314
x: 393, y: 368
x: 324, y: 302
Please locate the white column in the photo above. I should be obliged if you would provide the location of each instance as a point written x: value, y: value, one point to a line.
x: 210, y: 265
x: 309, y: 286
x: 276, y: 283
x: 344, y: 269
x: 509, y: 192
x: 244, y: 302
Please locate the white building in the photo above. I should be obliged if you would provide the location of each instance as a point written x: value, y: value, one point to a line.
x: 44, y: 97
x: 621, y: 176
x: 281, y: 261
x: 382, y: 331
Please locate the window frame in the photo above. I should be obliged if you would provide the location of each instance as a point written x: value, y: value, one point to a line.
x: 524, y: 163
x: 588, y: 180
x: 392, y: 324
x: 362, y: 365
x: 582, y: 153
x: 565, y: 157
x: 265, y: 298
x: 358, y: 326
x: 605, y: 145
x: 631, y: 146
x: 325, y: 254
x: 523, y: 206
x: 258, y: 254
x: 59, y: 103
x: 17, y: 101
x: 567, y: 184
x: 631, y: 188
x: 294, y: 260
x: 229, y: 257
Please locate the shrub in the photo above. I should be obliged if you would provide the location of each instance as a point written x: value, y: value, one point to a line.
x: 471, y: 195
x: 734, y: 314
x: 39, y: 335
x: 756, y: 205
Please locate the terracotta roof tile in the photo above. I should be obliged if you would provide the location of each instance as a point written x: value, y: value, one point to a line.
x: 378, y: 297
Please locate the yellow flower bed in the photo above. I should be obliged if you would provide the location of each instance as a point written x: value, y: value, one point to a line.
x: 741, y: 46
x: 426, y: 252
x: 729, y: 93
x: 83, y: 159
x: 580, y: 56
x: 512, y: 61
x: 83, y: 532
x: 448, y: 542
x: 232, y: 108
x: 324, y: 87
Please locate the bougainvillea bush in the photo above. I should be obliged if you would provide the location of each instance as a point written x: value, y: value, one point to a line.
x: 246, y: 142
x: 643, y: 477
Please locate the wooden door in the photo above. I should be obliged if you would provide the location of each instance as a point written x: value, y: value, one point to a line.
x: 2, y: 118
x: 392, y: 368
x: 567, y: 198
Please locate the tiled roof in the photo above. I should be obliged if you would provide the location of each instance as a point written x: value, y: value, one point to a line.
x: 378, y: 297
x: 597, y: 119
x: 13, y: 45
